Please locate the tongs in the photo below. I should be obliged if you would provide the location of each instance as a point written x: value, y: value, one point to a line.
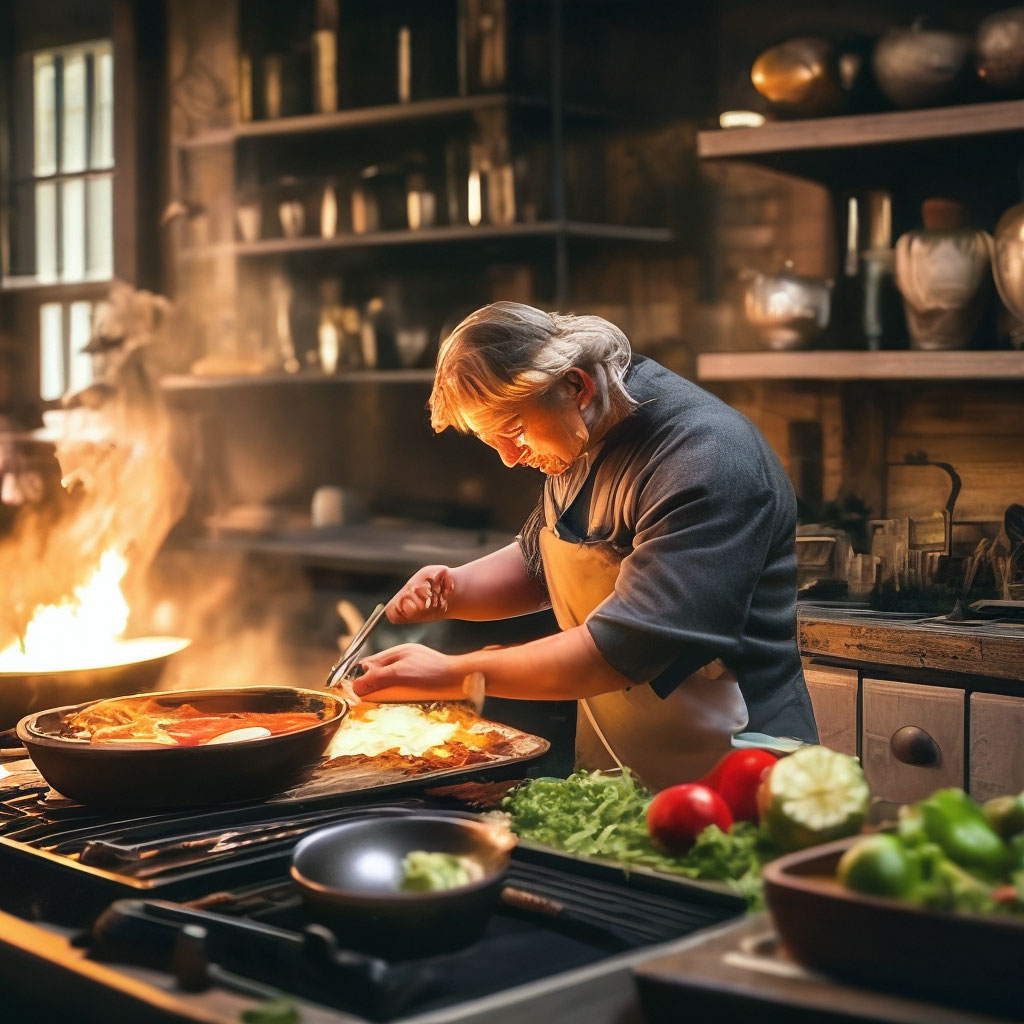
x: 347, y: 661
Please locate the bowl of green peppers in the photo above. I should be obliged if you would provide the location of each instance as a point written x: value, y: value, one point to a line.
x: 931, y: 907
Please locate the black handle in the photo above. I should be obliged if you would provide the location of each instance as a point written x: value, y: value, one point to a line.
x: 912, y: 745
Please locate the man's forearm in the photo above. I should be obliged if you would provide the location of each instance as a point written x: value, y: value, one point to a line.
x: 495, y: 587
x: 565, y: 666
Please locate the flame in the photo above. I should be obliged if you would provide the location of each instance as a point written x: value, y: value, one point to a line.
x: 84, y: 630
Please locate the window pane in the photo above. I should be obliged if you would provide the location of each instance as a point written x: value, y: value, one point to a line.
x: 51, y: 351
x: 103, y: 108
x: 99, y: 209
x: 73, y: 151
x: 44, y: 121
x: 79, y: 330
x: 46, y: 232
x: 73, y: 224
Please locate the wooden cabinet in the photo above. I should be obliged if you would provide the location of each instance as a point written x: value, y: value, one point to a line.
x: 996, y: 737
x: 912, y: 738
x: 834, y: 699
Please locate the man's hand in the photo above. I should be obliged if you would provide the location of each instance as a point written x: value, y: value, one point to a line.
x: 424, y: 598
x: 410, y: 665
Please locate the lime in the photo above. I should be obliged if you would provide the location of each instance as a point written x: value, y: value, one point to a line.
x: 812, y: 796
x: 879, y: 865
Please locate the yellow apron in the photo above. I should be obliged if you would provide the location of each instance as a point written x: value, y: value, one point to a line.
x: 663, y: 741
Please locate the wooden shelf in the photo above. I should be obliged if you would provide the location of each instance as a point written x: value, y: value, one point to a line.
x: 424, y: 236
x: 881, y: 366
x: 856, y: 130
x: 213, y: 382
x: 366, y: 117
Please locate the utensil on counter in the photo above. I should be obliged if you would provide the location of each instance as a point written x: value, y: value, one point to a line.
x: 136, y: 775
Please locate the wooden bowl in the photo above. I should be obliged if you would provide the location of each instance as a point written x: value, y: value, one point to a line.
x: 970, y: 960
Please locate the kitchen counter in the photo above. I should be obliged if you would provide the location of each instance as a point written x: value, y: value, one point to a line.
x: 738, y: 972
x: 47, y: 976
x: 975, y: 647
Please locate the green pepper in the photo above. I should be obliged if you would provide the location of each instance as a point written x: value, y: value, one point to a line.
x: 956, y: 823
x: 880, y: 865
x: 1005, y: 814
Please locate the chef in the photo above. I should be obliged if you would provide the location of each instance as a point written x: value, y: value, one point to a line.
x: 663, y: 542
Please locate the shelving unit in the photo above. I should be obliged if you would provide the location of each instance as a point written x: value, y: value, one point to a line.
x: 179, y: 383
x: 383, y: 115
x: 855, y: 366
x: 854, y: 130
x: 441, y: 235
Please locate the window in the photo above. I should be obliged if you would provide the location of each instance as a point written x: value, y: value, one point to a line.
x: 71, y: 183
x: 60, y: 202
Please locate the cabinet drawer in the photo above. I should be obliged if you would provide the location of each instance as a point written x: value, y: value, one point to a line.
x: 834, y: 699
x: 912, y: 739
x: 997, y: 745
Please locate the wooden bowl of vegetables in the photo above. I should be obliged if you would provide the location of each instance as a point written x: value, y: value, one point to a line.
x: 927, y: 909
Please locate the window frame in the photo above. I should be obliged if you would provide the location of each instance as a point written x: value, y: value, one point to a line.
x: 135, y: 28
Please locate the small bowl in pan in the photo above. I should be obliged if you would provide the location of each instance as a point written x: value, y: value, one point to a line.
x: 349, y: 877
x: 153, y: 776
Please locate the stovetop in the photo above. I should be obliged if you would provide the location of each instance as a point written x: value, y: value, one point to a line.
x: 205, y: 895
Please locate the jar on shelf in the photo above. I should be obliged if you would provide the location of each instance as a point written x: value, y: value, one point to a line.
x: 291, y: 207
x: 942, y: 272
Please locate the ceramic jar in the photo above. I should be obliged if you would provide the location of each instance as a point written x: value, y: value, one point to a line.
x: 789, y: 311
x: 942, y: 272
x: 1008, y: 268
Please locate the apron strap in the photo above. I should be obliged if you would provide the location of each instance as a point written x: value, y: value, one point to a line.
x: 584, y: 703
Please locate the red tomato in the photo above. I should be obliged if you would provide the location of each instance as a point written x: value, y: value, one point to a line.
x: 679, y: 814
x: 738, y: 776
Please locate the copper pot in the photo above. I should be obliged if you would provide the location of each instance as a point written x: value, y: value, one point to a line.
x: 805, y: 77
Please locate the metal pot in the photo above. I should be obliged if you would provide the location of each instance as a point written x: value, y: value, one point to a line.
x: 999, y: 44
x: 1008, y: 267
x: 144, y: 660
x: 349, y: 877
x: 917, y: 66
x: 151, y: 776
x: 788, y: 310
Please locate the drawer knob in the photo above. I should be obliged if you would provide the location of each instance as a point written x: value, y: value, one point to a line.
x: 912, y: 745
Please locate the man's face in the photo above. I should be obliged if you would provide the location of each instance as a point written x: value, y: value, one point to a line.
x: 546, y: 433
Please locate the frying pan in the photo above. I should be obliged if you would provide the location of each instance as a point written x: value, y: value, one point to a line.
x: 144, y: 659
x: 349, y: 876
x: 153, y: 776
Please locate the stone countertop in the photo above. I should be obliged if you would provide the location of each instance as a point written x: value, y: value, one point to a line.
x: 977, y: 647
